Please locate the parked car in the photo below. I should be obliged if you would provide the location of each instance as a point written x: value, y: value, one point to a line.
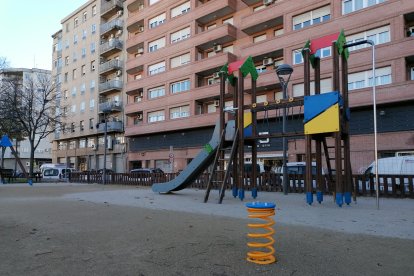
x: 390, y: 166
x: 299, y: 169
x: 147, y: 170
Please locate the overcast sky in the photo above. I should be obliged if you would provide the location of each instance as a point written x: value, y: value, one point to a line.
x: 26, y: 29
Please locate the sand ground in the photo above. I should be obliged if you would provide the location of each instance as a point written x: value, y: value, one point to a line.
x: 78, y: 229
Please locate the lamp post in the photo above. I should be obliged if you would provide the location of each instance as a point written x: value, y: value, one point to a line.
x: 283, y: 72
x: 105, y: 146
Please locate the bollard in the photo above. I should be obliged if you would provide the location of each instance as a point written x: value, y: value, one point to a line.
x: 264, y: 211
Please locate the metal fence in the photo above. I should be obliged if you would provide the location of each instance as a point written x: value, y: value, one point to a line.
x: 363, y: 185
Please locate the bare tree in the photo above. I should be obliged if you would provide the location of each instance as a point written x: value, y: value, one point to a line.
x: 33, y: 106
x: 4, y: 63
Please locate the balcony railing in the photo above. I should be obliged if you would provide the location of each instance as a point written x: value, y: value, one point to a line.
x: 112, y: 44
x: 108, y: 6
x: 110, y: 106
x: 114, y: 64
x: 111, y: 85
x: 111, y: 126
x: 114, y: 24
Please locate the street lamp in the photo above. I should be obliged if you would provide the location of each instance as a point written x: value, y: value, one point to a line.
x: 283, y: 72
x: 105, y: 146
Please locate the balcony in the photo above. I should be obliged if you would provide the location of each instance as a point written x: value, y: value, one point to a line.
x: 251, y: 2
x: 110, y: 86
x: 110, y: 7
x: 110, y: 66
x: 116, y: 24
x: 116, y: 126
x: 260, y: 21
x: 219, y: 35
x: 110, y: 106
x: 110, y: 47
x: 215, y: 9
x: 134, y: 5
x: 205, y: 67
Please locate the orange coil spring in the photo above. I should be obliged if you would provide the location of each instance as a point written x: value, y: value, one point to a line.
x: 262, y: 257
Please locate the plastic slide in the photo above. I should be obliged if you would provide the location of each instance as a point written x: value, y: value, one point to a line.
x: 196, y: 166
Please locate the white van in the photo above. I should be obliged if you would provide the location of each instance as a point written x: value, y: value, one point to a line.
x: 55, y: 172
x: 400, y: 165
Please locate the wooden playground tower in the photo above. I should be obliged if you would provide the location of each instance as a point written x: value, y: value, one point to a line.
x: 245, y: 133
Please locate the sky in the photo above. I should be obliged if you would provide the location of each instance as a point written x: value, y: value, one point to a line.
x: 26, y: 29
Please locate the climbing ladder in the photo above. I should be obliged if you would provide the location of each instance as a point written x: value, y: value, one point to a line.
x: 220, y: 171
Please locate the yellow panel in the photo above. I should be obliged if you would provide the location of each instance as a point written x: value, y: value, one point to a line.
x: 327, y: 121
x: 247, y: 119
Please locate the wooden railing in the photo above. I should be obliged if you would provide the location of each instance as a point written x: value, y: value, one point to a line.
x: 390, y: 185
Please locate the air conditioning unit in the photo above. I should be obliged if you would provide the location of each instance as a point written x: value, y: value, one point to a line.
x: 119, y: 13
x: 27, y: 164
x: 141, y: 94
x: 140, y: 50
x: 267, y: 61
x: 118, y: 33
x: 410, y: 31
x: 216, y: 103
x: 118, y: 73
x: 216, y: 75
x: 141, y: 7
x: 141, y: 29
x: 94, y: 147
x: 139, y: 116
x: 267, y: 2
x: 217, y: 48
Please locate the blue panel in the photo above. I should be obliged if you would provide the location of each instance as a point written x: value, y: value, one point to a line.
x: 339, y: 199
x: 316, y: 104
x: 235, y: 191
x: 5, y: 141
x: 254, y: 193
x: 241, y: 194
x: 347, y: 197
x: 248, y: 131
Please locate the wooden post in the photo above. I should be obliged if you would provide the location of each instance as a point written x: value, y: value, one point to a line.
x: 308, y: 138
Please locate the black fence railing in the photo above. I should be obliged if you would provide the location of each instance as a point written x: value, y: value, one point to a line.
x: 390, y: 185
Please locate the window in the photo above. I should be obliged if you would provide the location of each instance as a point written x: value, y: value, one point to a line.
x: 83, y: 52
x: 74, y: 56
x: 180, y: 112
x: 93, y: 28
x: 349, y: 6
x: 298, y: 89
x: 212, y: 26
x: 181, y: 9
x: 156, y: 116
x: 94, y: 10
x: 83, y: 70
x: 156, y: 92
x: 211, y: 108
x: 180, y: 86
x: 412, y: 73
x: 67, y: 27
x: 74, y: 91
x: 312, y: 17
x: 261, y: 99
x: 91, y: 126
x: 91, y: 104
x: 377, y: 35
x: 258, y: 8
x: 75, y: 38
x: 93, y: 47
x: 73, y: 108
x: 180, y: 35
x: 321, y: 53
x: 66, y: 61
x: 76, y: 22
x: 228, y: 49
x: 92, y: 85
x: 259, y: 38
x: 74, y: 74
x: 67, y: 43
x: 92, y: 65
x: 364, y: 79
x: 180, y: 60
x: 155, y: 21
x: 156, y: 68
x: 83, y: 88
x: 82, y: 107
x: 278, y: 32
x: 65, y: 94
x: 228, y: 20
x: 84, y: 32
x: 152, y: 2
x: 156, y: 44
x: 66, y: 76
x: 84, y: 16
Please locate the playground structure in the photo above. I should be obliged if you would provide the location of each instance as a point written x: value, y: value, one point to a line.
x: 5, y: 142
x: 326, y: 118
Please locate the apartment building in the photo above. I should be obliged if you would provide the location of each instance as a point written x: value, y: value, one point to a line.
x: 24, y: 77
x: 88, y: 62
x: 174, y: 49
